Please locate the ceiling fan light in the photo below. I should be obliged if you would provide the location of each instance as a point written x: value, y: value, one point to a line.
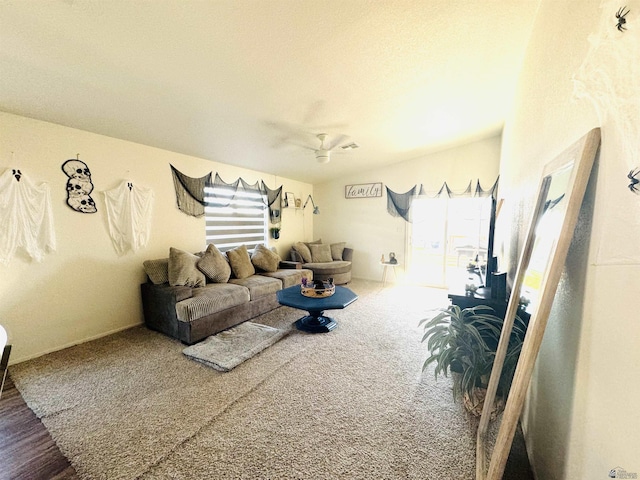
x: 323, y: 157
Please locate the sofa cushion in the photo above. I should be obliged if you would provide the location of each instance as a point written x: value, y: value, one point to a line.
x: 157, y: 270
x: 303, y: 250
x: 337, y: 249
x: 265, y: 259
x: 320, y: 253
x: 315, y: 242
x: 241, y: 265
x: 183, y: 269
x: 258, y: 285
x: 295, y: 257
x: 329, y: 268
x: 214, y: 265
x: 209, y: 299
x: 290, y: 277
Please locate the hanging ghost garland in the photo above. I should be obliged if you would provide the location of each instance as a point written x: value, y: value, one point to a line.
x: 79, y: 186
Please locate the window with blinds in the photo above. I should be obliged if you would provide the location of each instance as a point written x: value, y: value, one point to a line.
x: 235, y: 217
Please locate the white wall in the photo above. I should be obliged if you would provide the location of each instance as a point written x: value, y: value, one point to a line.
x: 85, y: 290
x: 581, y: 419
x: 364, y: 222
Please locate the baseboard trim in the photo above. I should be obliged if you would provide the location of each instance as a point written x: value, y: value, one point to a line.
x: 71, y: 344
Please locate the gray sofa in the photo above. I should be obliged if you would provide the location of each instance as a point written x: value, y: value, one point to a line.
x: 336, y: 264
x: 192, y: 313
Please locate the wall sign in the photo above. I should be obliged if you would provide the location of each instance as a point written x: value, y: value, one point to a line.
x: 363, y: 190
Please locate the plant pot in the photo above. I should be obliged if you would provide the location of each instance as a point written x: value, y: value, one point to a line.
x: 474, y: 403
x: 456, y: 367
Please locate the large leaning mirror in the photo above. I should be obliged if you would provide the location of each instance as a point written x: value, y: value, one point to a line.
x: 560, y: 194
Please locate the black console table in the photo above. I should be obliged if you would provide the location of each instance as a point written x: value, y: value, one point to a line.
x: 481, y: 297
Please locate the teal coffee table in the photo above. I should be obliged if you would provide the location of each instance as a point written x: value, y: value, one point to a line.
x: 316, y: 322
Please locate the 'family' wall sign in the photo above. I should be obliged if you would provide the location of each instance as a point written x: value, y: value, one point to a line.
x: 363, y: 190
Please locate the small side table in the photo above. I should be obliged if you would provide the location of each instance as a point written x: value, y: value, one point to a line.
x: 385, y: 270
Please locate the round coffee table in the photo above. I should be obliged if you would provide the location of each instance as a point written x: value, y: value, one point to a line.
x: 316, y: 322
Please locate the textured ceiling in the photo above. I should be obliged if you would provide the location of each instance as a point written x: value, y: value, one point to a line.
x: 251, y: 82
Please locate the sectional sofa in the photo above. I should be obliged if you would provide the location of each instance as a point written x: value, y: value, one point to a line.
x: 192, y: 296
x: 324, y: 260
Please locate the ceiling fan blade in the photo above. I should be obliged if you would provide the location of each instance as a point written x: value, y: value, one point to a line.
x: 289, y: 134
x: 337, y: 141
x: 313, y: 111
x: 302, y: 145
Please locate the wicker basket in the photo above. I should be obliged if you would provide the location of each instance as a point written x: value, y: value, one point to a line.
x: 314, y: 292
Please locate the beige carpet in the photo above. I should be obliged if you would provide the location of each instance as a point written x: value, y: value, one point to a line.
x: 352, y: 403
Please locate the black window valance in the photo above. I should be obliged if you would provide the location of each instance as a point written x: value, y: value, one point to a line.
x: 399, y: 204
x: 272, y: 199
x: 190, y: 192
x: 271, y: 196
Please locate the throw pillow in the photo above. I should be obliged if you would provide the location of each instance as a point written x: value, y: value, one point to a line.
x: 157, y: 270
x: 183, y: 269
x: 337, y: 249
x: 214, y: 265
x: 320, y: 253
x: 303, y: 251
x: 241, y: 265
x: 315, y: 242
x: 265, y: 259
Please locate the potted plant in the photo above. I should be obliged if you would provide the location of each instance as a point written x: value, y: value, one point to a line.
x: 275, y: 232
x: 463, y: 342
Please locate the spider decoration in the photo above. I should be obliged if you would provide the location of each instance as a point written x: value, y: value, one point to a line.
x: 633, y: 186
x: 620, y: 14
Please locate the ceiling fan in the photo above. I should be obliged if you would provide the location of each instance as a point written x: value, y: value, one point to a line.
x: 323, y: 154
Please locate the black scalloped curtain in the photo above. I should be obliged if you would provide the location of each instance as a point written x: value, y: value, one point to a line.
x: 399, y: 204
x: 219, y: 185
x: 272, y: 199
x: 190, y: 192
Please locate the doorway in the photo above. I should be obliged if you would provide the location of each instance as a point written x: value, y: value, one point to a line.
x: 447, y: 236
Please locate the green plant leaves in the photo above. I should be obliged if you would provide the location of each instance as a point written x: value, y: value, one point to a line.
x: 464, y: 342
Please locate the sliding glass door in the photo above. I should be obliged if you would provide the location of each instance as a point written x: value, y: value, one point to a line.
x: 446, y: 237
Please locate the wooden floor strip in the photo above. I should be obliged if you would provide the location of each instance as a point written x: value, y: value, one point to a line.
x: 27, y: 451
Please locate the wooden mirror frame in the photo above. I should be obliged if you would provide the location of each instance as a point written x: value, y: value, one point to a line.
x: 579, y: 158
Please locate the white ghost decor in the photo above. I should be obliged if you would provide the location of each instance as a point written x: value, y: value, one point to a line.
x: 79, y: 186
x: 26, y: 217
x: 129, y: 207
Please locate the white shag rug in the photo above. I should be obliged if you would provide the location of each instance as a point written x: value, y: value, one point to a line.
x: 228, y: 349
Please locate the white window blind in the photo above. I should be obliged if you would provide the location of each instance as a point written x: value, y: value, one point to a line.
x: 235, y: 217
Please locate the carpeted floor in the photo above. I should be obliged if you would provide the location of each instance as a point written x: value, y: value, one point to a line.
x: 352, y: 403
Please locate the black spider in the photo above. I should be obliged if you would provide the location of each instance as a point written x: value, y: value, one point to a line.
x: 633, y: 186
x: 620, y: 14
